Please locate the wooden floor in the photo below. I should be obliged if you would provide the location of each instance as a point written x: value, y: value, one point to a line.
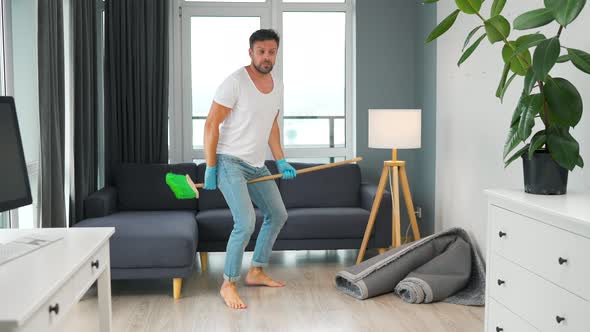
x: 308, y: 303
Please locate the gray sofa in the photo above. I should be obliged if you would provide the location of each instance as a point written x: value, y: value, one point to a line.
x: 157, y: 236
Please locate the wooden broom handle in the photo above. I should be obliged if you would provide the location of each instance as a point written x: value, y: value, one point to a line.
x: 299, y: 171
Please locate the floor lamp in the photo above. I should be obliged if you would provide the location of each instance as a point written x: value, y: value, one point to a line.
x: 393, y: 129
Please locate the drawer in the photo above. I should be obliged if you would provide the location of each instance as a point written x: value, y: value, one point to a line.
x: 69, y: 294
x: 500, y: 319
x: 555, y: 254
x: 538, y: 301
x: 45, y: 320
x: 91, y: 270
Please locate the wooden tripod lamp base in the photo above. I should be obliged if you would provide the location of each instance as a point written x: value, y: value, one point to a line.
x: 396, y: 169
x: 393, y: 129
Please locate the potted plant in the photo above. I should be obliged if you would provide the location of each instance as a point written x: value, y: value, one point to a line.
x: 554, y: 102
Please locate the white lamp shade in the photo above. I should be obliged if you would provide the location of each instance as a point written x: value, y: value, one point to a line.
x: 395, y: 128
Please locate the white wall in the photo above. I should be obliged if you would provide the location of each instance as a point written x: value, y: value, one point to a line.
x: 472, y: 123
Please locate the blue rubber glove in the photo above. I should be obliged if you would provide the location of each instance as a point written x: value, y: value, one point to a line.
x: 287, y: 170
x: 210, y: 178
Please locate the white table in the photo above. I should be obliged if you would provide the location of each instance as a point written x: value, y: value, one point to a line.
x: 37, y: 290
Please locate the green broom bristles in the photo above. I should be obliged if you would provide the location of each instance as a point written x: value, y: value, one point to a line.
x: 179, y: 186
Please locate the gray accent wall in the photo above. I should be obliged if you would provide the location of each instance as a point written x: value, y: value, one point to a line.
x: 394, y: 69
x: 426, y: 87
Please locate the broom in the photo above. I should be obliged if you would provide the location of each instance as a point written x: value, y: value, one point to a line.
x: 183, y: 186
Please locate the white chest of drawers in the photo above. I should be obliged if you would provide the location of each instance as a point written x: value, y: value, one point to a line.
x: 538, y: 262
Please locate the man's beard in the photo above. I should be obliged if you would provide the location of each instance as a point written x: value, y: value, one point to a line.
x: 261, y: 70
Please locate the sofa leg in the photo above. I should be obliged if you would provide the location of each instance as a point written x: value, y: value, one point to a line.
x: 203, y: 255
x: 382, y: 250
x: 176, y: 287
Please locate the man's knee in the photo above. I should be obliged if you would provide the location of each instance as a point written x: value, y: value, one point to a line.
x: 245, y: 224
x: 281, y: 215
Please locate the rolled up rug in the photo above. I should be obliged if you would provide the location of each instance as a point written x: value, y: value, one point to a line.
x: 441, y: 267
x: 441, y: 277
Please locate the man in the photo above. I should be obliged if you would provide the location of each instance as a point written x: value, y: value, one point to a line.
x: 241, y: 122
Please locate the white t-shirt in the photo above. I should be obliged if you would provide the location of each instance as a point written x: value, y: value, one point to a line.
x: 245, y: 131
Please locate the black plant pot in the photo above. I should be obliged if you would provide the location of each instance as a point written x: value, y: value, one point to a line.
x: 542, y: 175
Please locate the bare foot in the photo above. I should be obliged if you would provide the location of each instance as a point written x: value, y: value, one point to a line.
x: 229, y: 292
x: 257, y: 277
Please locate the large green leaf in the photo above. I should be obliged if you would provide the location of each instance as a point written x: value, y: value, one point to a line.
x: 512, y: 141
x: 529, y: 107
x: 538, y: 140
x: 520, y: 64
x: 565, y: 103
x: 564, y: 149
x: 497, y: 7
x: 529, y: 81
x: 443, y: 26
x: 565, y: 11
x: 517, y: 53
x: 469, y: 6
x: 505, y: 88
x: 517, y: 113
x: 469, y: 36
x: 533, y: 19
x: 502, y: 80
x: 516, y: 155
x: 580, y: 59
x: 470, y: 50
x: 544, y: 58
x: 497, y: 28
x: 527, y: 41
x: 563, y: 58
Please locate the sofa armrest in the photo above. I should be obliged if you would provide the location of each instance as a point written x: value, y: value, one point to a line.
x: 101, y: 203
x: 382, y: 226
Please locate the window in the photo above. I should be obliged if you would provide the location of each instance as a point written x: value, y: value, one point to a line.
x: 224, y: 53
x: 315, y: 110
x: 2, y: 56
x: 20, y: 56
x: 226, y: 0
x: 4, y: 223
x: 100, y: 29
x: 317, y: 116
x: 315, y: 1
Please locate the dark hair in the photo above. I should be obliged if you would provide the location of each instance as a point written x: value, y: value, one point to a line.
x: 262, y: 35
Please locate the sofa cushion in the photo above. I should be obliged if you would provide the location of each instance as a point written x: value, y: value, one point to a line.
x: 334, y: 187
x: 217, y: 224
x: 150, y: 239
x: 213, y: 199
x: 325, y: 223
x: 143, y: 187
x: 313, y: 223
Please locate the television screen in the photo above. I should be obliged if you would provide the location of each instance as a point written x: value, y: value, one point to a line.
x: 14, y: 180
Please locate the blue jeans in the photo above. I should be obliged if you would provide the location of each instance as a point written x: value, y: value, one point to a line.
x: 232, y: 175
